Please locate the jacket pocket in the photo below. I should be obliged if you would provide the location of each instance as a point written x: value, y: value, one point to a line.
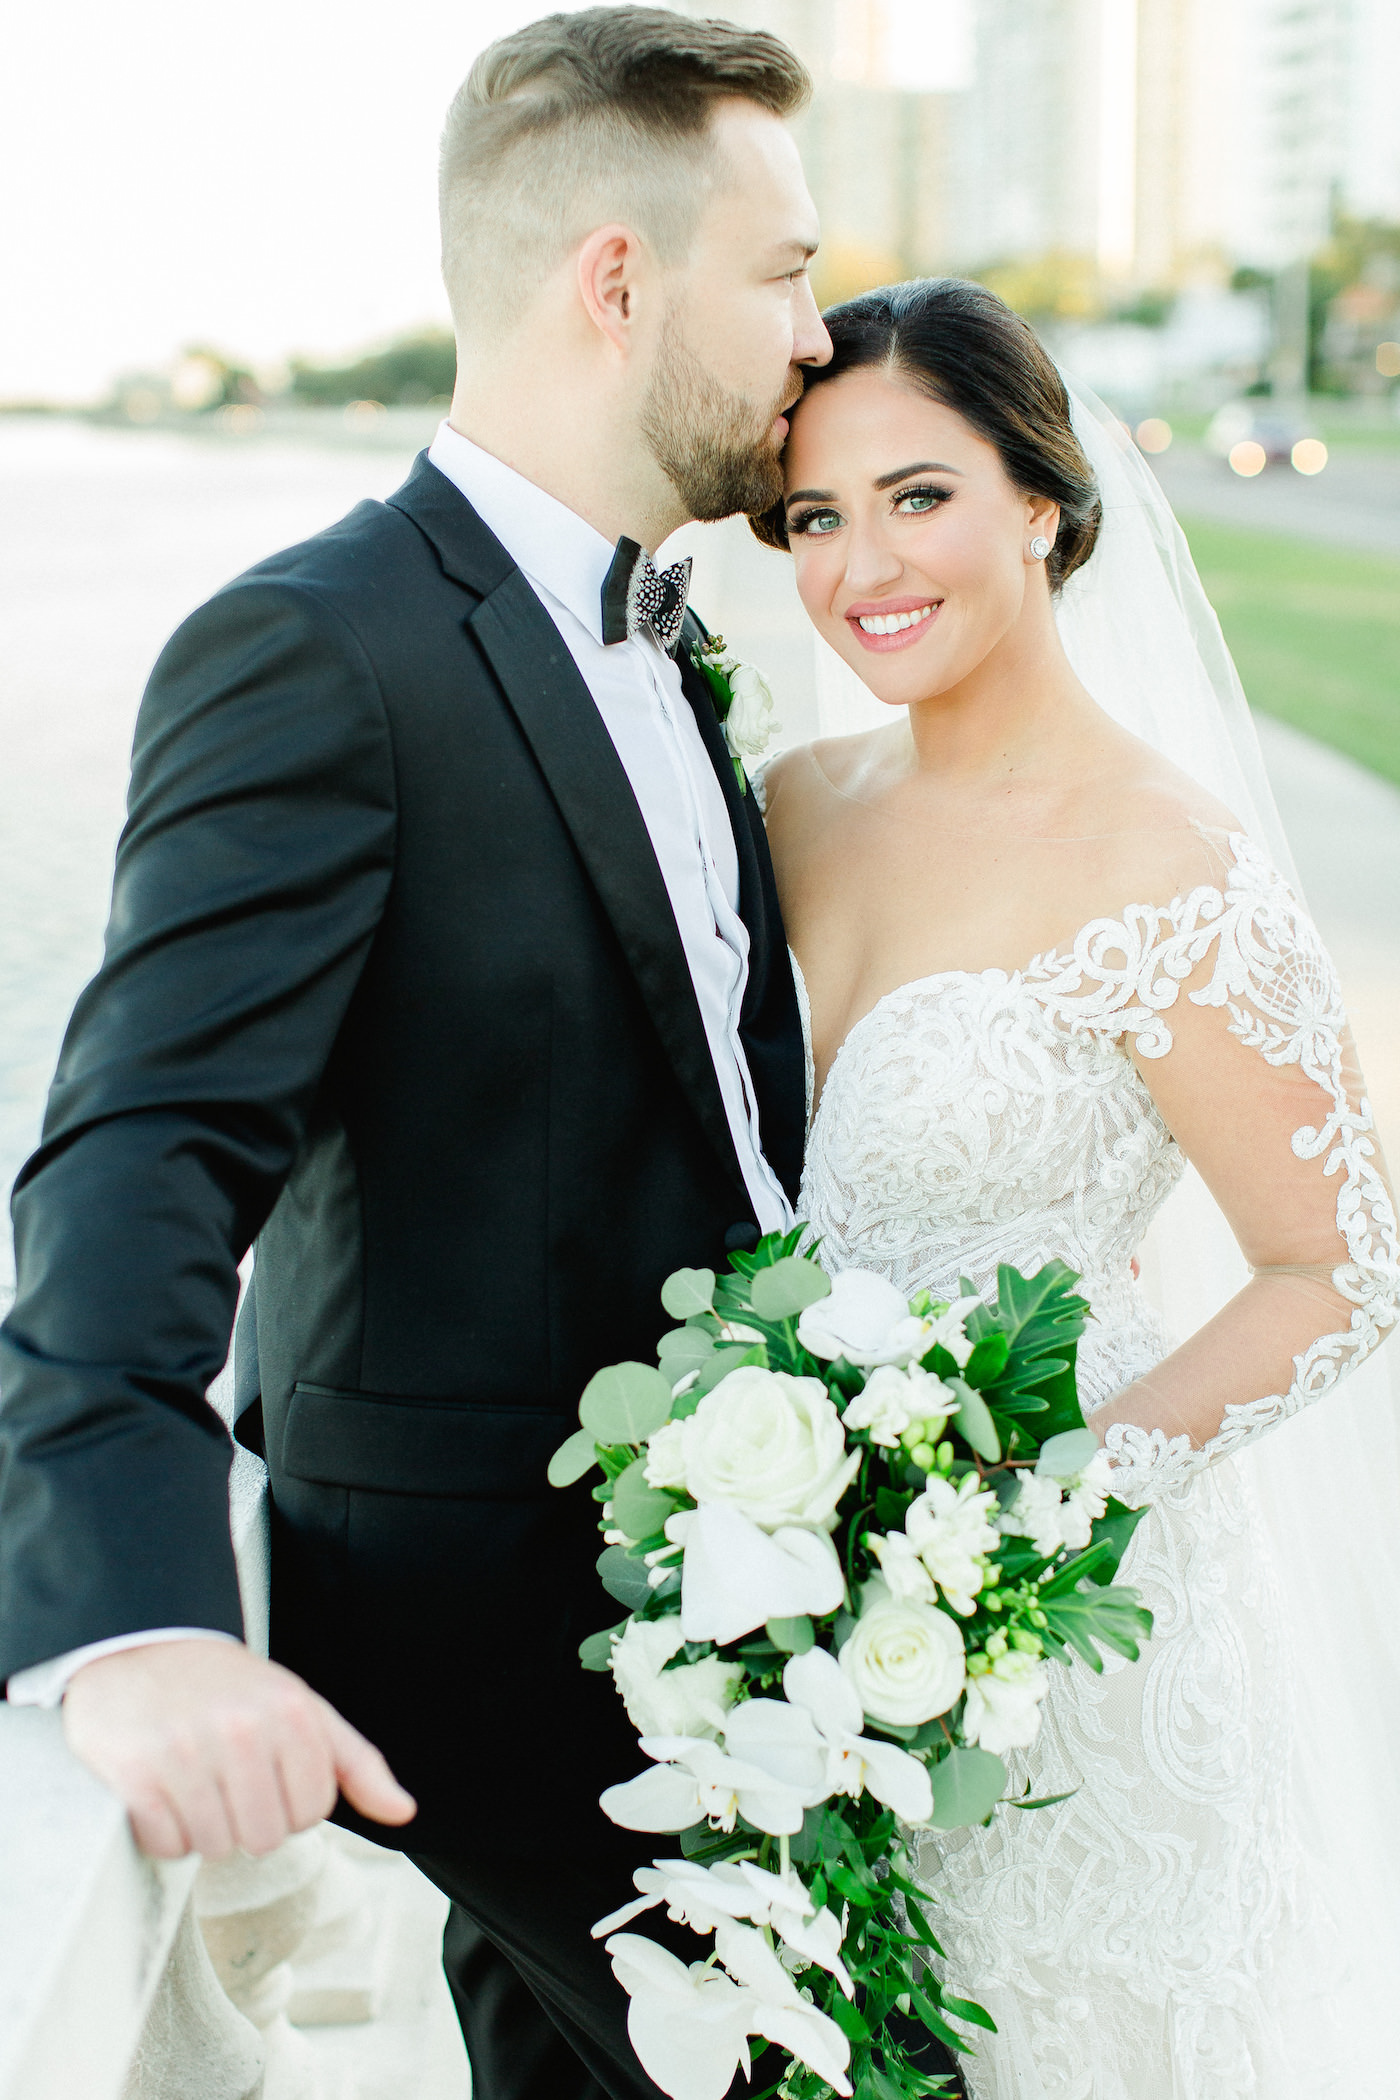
x: 400, y: 1446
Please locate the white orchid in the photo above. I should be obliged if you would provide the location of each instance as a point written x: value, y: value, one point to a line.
x: 951, y: 1530
x: 692, y: 1699
x: 694, y: 1780
x: 752, y: 721
x: 690, y: 2026
x: 701, y: 1897
x: 894, y: 1401
x: 905, y: 1575
x: 735, y: 1577
x: 1002, y: 1708
x: 816, y: 1685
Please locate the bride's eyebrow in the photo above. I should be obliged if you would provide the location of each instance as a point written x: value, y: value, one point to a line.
x: 922, y: 466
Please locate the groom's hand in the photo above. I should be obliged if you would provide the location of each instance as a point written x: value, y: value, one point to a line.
x: 212, y: 1749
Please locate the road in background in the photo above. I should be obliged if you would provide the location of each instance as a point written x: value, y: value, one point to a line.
x: 108, y: 538
x: 1353, y: 502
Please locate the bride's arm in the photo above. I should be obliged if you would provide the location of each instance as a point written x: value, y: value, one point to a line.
x: 1257, y: 1080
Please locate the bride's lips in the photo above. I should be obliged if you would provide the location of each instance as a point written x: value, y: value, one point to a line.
x: 925, y: 611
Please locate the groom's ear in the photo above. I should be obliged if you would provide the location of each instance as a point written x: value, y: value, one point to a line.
x: 609, y: 265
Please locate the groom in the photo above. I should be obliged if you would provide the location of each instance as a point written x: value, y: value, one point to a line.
x: 445, y: 963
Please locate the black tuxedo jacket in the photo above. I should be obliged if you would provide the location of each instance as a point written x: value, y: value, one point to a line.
x: 392, y: 985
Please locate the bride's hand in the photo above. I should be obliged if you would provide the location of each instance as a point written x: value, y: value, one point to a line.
x: 213, y: 1749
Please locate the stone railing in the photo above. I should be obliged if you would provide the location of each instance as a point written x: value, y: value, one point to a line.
x: 313, y: 1974
x: 309, y: 1975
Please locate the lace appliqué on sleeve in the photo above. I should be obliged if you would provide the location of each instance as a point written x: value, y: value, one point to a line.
x: 1275, y: 979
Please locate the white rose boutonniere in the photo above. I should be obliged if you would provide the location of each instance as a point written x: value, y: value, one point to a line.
x: 743, y: 700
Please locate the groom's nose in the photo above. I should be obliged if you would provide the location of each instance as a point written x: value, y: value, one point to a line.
x: 811, y: 345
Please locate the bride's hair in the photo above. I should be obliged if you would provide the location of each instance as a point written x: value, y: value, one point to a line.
x: 962, y: 345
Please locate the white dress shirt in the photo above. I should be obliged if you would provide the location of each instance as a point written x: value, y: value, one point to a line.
x: 636, y: 688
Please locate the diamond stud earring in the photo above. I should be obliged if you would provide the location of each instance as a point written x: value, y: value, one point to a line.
x: 1040, y: 547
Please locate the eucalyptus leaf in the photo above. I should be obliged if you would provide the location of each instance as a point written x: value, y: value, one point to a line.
x: 682, y: 1351
x: 793, y: 1636
x: 623, y: 1577
x: 967, y: 1786
x: 788, y: 1287
x: 1066, y: 1454
x: 596, y: 1652
x: 575, y: 1457
x: 625, y: 1403
x: 688, y: 1291
x: 638, y: 1508
x: 975, y: 1424
x: 723, y: 1362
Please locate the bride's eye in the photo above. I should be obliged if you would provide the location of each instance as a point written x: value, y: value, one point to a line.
x: 913, y: 501
x: 816, y: 524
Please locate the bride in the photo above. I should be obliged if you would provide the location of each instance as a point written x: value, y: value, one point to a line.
x: 1043, y: 968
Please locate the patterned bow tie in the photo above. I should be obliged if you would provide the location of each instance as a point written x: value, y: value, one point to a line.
x: 637, y: 594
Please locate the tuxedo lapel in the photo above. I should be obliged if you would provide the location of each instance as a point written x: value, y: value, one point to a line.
x: 560, y: 721
x: 743, y: 812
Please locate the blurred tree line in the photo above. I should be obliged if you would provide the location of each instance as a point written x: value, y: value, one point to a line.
x: 411, y: 372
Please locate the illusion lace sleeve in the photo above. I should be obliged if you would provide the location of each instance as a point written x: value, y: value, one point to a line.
x: 1234, y: 1011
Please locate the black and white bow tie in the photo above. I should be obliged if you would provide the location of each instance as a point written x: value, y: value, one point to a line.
x: 637, y: 594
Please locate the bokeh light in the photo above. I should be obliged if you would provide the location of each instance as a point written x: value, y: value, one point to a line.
x: 1388, y: 360
x: 1248, y: 458
x: 1153, y: 434
x: 1309, y: 455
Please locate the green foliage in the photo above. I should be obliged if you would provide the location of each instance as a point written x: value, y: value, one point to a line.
x: 639, y: 1509
x: 967, y: 1785
x: 1078, y: 1617
x: 788, y: 1287
x: 1062, y: 1456
x: 625, y: 1404
x: 682, y: 1351
x: 596, y: 1652
x: 576, y: 1456
x: 974, y: 1421
x: 792, y: 1636
x: 688, y: 1291
x: 624, y: 1577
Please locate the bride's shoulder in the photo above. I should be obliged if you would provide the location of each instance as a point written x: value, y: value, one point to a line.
x: 1165, y: 832
x: 801, y: 779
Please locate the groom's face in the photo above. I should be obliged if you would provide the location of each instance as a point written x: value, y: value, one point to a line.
x: 740, y: 323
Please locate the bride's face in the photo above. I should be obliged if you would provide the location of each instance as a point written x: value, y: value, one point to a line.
x: 912, y: 547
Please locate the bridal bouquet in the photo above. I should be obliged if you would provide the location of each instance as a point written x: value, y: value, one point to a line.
x: 849, y: 1532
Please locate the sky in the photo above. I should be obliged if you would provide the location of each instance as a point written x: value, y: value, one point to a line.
x: 259, y: 178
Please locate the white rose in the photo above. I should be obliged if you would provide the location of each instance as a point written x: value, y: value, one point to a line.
x: 690, y: 1700
x: 751, y: 722
x: 894, y: 1400
x: 1037, y: 1514
x: 864, y: 1319
x: 1003, y: 1703
x: 767, y: 1444
x: 905, y: 1662
x: 951, y: 1530
x: 665, y: 1466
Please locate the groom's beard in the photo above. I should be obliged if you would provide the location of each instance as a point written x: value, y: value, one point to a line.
x: 715, y: 447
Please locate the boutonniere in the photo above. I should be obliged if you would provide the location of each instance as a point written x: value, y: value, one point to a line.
x: 743, y: 700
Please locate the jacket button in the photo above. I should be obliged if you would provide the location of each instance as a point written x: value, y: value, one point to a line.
x: 741, y: 1239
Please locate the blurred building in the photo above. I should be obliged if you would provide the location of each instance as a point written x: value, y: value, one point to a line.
x: 1137, y: 144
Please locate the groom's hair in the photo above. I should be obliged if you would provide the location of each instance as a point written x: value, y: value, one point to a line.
x: 580, y: 119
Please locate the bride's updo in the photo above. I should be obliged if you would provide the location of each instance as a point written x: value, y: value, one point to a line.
x: 967, y: 349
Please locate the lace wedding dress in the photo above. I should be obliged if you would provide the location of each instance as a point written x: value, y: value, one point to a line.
x: 1153, y: 1936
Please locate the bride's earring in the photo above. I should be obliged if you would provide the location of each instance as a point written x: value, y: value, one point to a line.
x: 1040, y: 547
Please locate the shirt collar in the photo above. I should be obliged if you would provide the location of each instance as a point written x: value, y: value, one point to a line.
x: 551, y: 543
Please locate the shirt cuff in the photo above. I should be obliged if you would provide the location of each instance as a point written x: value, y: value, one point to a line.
x: 44, y: 1684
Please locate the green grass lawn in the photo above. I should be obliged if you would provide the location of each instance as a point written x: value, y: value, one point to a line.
x: 1315, y: 631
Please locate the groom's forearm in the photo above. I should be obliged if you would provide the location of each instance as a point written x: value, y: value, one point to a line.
x: 249, y: 881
